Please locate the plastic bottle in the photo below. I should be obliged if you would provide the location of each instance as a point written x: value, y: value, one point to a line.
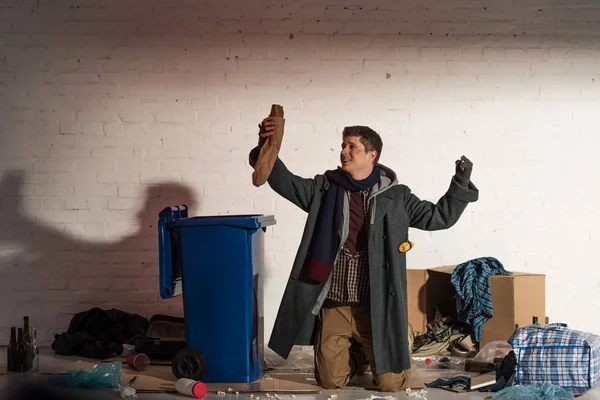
x: 192, y: 388
x: 35, y: 367
x: 138, y: 361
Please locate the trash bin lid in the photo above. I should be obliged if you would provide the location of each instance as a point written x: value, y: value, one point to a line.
x: 248, y: 221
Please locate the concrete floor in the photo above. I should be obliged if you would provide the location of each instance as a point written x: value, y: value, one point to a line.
x: 49, y: 361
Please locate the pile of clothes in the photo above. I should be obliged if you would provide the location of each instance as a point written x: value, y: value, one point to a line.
x: 444, y: 336
x: 100, y: 334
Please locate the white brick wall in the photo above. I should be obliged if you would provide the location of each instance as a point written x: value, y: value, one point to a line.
x: 111, y: 110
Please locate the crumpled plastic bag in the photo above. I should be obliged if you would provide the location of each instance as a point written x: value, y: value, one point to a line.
x: 103, y: 376
x: 127, y: 391
x: 546, y: 391
x: 492, y: 350
x: 300, y: 358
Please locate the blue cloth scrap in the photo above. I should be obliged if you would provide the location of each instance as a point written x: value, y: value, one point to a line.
x: 458, y: 382
x: 471, y: 280
x: 464, y: 382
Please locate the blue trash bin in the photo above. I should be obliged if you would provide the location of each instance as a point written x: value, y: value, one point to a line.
x: 214, y: 263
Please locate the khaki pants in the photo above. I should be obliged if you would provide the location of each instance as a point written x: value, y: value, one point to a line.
x: 337, y: 326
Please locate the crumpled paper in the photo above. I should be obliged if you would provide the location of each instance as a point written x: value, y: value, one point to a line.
x: 127, y: 391
x: 417, y: 395
x: 373, y: 397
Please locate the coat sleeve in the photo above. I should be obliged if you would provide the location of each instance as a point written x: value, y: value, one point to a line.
x: 296, y: 189
x: 445, y: 213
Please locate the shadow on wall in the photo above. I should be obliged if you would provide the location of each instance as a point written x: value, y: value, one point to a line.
x: 50, y: 275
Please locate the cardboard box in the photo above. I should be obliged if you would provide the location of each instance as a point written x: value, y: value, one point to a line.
x: 516, y: 299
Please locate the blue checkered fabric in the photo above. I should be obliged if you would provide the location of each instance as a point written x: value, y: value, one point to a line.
x: 471, y: 280
x: 558, y: 355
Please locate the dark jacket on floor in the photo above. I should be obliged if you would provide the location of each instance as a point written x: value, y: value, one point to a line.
x: 100, y: 333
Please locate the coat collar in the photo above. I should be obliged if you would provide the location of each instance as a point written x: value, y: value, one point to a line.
x: 381, y: 205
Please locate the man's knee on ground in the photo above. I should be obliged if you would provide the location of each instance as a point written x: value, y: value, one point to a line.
x: 391, y: 382
x: 331, y: 382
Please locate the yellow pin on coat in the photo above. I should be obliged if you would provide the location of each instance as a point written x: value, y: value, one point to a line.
x: 405, y: 246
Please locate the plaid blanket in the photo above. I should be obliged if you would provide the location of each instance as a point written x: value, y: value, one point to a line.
x: 558, y: 355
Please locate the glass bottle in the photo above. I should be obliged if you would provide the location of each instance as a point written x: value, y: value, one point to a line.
x: 20, y: 354
x: 27, y: 344
x: 12, y: 350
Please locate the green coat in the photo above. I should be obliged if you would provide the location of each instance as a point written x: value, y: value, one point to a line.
x: 396, y: 210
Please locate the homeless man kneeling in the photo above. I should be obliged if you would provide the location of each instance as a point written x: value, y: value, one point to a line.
x: 346, y: 293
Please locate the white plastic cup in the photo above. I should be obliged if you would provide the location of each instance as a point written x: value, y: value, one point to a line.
x: 192, y: 388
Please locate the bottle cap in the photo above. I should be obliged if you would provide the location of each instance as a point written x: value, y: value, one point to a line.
x: 199, y: 390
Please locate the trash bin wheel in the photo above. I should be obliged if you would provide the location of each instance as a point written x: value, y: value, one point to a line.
x: 189, y: 363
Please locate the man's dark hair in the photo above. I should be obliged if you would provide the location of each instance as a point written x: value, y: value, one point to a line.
x: 368, y: 137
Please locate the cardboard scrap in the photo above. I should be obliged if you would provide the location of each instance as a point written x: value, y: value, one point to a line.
x: 483, y: 380
x: 154, y: 379
x: 358, y: 382
x: 160, y: 379
x: 152, y: 362
x: 270, y: 149
x: 267, y: 384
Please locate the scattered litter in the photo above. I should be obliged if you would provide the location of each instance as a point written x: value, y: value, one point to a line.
x: 127, y: 391
x: 417, y: 395
x: 251, y: 396
x: 293, y: 396
x: 220, y: 393
x: 230, y: 390
x: 101, y: 376
x: 333, y: 396
x: 237, y: 393
x: 373, y: 397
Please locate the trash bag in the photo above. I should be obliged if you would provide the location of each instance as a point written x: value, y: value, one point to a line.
x: 493, y: 350
x: 546, y: 391
x: 107, y: 375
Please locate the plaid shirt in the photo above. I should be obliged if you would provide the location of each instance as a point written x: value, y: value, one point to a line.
x: 350, y: 280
